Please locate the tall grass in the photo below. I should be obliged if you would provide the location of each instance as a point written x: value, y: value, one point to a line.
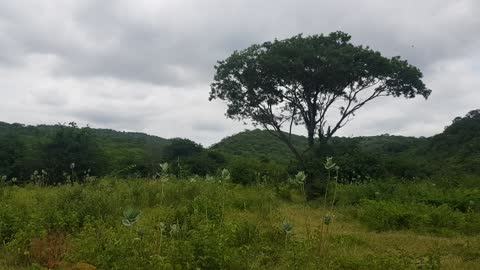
x: 214, y: 224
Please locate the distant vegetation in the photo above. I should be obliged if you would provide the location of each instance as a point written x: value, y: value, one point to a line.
x: 452, y: 153
x: 54, y: 149
x: 63, y: 153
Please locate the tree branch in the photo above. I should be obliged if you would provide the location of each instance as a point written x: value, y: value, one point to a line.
x: 351, y: 99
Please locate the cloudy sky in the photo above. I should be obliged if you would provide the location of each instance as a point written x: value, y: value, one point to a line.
x: 146, y: 65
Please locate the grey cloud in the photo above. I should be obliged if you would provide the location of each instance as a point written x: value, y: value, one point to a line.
x: 103, y: 117
x: 123, y: 118
x: 205, y: 126
x: 182, y: 50
x: 49, y: 97
x: 132, y: 64
x: 177, y: 44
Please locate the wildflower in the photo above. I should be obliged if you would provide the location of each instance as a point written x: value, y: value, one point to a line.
x: 130, y: 217
x: 225, y: 174
x: 174, y: 228
x: 327, y: 219
x: 287, y: 227
x: 164, y: 167
x: 329, y: 164
x: 161, y: 226
x: 299, y: 179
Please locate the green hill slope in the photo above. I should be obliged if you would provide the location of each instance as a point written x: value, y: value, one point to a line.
x: 456, y: 151
x: 452, y: 152
x: 262, y: 145
x: 258, y: 144
x: 22, y: 148
x: 459, y: 144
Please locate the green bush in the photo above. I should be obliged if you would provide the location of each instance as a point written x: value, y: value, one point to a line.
x: 251, y: 171
x: 391, y: 215
x: 213, y: 224
x: 463, y: 199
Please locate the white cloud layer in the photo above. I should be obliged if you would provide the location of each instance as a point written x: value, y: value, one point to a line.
x: 146, y: 65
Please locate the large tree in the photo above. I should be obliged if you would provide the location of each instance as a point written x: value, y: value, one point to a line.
x: 74, y: 151
x: 300, y: 80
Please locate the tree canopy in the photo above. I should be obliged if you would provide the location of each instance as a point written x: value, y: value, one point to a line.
x: 253, y: 155
x: 73, y: 150
x: 300, y: 80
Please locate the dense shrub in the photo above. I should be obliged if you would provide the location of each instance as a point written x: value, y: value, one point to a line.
x: 250, y: 171
x: 391, y: 215
x: 463, y: 199
x: 210, y: 223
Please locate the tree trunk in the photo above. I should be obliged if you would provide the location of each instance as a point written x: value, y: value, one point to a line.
x: 311, y: 138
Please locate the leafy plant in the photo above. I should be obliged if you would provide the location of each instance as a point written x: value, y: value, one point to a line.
x: 130, y: 217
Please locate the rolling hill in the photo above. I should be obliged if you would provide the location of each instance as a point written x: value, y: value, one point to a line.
x: 454, y: 151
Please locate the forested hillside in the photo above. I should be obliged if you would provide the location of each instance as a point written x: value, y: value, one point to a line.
x: 26, y: 149
x: 52, y: 151
x: 259, y: 144
x: 454, y: 151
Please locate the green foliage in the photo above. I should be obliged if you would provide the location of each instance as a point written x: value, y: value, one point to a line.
x: 130, y: 217
x: 463, y: 199
x: 216, y: 225
x: 72, y: 154
x: 260, y: 145
x: 449, y: 156
x: 459, y: 145
x: 421, y: 207
x: 25, y: 149
x: 249, y: 171
x: 180, y: 148
x: 12, y: 152
x: 188, y: 221
x: 299, y: 80
x: 390, y: 215
x: 188, y: 158
x: 207, y: 162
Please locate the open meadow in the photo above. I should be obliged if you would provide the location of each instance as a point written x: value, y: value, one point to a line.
x: 211, y: 223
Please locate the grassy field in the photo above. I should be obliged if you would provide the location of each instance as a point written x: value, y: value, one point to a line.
x: 213, y: 224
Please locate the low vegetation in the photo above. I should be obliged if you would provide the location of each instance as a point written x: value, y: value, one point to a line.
x: 212, y: 223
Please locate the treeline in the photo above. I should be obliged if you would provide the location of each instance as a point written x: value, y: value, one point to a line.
x: 67, y: 153
x: 60, y: 153
x: 454, y: 153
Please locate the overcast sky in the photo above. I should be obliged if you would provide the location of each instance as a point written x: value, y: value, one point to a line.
x: 146, y: 65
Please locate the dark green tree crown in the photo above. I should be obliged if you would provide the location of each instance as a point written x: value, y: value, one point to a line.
x: 299, y: 79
